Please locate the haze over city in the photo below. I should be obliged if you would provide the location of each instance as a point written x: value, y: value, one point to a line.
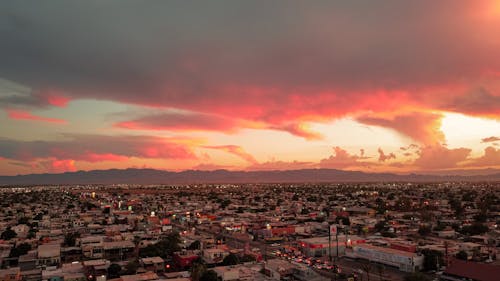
x: 373, y: 86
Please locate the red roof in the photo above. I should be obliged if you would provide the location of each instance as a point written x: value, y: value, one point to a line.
x: 473, y: 270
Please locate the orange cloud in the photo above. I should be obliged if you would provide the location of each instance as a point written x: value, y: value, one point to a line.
x: 25, y: 115
x: 300, y: 130
x: 440, y: 157
x: 236, y: 150
x: 422, y: 127
x: 342, y: 159
x: 383, y: 157
x: 491, y: 157
x: 490, y: 139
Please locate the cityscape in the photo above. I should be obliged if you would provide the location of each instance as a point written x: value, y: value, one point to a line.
x: 257, y: 140
x: 369, y: 231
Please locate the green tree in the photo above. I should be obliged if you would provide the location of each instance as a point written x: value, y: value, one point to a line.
x: 462, y: 255
x: 247, y: 258
x: 164, y: 248
x: 197, y: 271
x: 8, y: 234
x: 231, y: 259
x: 209, y: 275
x: 23, y: 220
x: 31, y: 234
x: 131, y: 267
x: 432, y: 258
x: 70, y: 238
x: 114, y: 270
x: 195, y: 245
x: 424, y: 230
x: 474, y: 229
x: 380, y: 226
x: 21, y: 249
x: 345, y: 220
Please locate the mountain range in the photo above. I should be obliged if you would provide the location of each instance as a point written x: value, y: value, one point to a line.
x: 152, y: 176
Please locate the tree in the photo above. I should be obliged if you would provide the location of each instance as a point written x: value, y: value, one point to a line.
x: 8, y: 234
x: 31, y: 234
x: 70, y: 238
x: 416, y: 276
x: 380, y: 226
x: 23, y: 220
x: 424, y: 230
x: 114, y: 270
x: 209, y: 275
x: 131, y: 267
x: 432, y: 258
x: 481, y: 217
x: 345, y: 220
x: 38, y: 217
x: 197, y: 271
x: 166, y: 247
x: 21, y: 249
x: 195, y: 245
x: 462, y: 255
x: 456, y: 205
x: 474, y: 229
x: 231, y: 259
x: 247, y: 258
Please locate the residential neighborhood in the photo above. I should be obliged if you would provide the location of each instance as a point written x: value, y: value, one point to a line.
x: 374, y: 231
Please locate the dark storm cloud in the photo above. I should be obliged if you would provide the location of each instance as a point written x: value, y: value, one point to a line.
x: 278, y: 62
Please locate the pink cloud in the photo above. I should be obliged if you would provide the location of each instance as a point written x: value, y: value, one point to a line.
x: 52, y: 97
x: 25, y: 115
x: 62, y: 166
x: 93, y: 157
x: 98, y: 148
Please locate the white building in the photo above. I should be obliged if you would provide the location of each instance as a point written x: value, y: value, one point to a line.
x: 404, y: 261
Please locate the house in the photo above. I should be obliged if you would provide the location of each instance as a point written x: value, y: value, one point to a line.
x: 10, y: 274
x: 49, y: 255
x: 459, y: 270
x: 154, y: 264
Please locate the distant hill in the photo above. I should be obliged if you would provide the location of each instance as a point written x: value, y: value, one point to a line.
x: 151, y: 176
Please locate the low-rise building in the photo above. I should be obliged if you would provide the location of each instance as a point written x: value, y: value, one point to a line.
x: 403, y: 260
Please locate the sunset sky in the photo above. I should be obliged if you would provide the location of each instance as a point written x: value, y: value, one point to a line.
x: 377, y: 86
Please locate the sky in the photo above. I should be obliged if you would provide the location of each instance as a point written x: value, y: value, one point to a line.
x: 376, y: 86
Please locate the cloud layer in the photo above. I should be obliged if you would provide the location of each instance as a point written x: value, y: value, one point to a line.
x: 227, y: 66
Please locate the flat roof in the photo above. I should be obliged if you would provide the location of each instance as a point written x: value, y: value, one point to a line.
x: 386, y: 250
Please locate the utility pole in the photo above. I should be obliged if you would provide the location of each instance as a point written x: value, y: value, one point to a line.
x: 330, y: 242
x: 337, y: 240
